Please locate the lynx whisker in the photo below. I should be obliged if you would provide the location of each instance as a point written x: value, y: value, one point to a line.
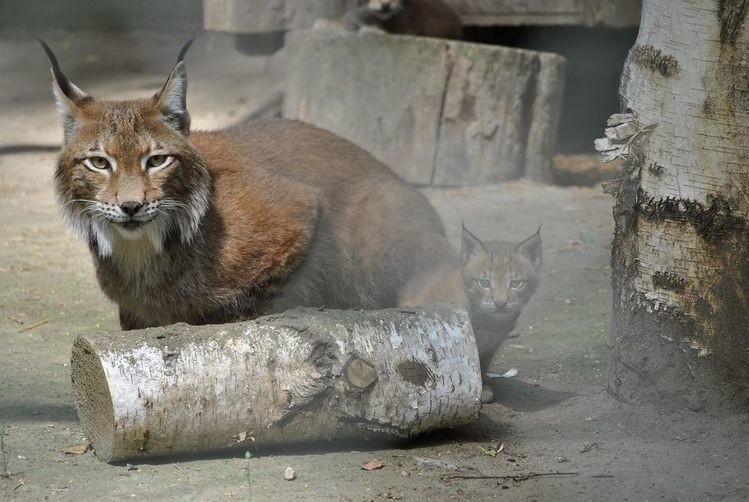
x: 72, y: 201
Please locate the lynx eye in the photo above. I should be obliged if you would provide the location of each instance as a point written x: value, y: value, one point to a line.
x: 517, y: 284
x: 97, y: 163
x: 484, y: 283
x: 158, y: 160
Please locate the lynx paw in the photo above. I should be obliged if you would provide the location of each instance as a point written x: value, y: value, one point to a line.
x: 323, y: 24
x: 372, y: 29
x: 487, y: 395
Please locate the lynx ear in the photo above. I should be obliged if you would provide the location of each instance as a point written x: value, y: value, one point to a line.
x: 471, y: 246
x: 531, y: 249
x: 172, y: 99
x: 68, y: 97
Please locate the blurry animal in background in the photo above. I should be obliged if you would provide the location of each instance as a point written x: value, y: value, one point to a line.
x: 214, y: 227
x: 425, y: 18
x: 499, y: 279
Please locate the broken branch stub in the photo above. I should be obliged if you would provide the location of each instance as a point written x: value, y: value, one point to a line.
x: 303, y: 375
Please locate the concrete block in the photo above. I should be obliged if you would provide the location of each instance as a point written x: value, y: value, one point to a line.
x: 437, y: 112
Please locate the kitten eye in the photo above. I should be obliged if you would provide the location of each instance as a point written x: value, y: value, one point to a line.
x: 158, y: 160
x: 484, y: 283
x: 97, y: 163
x: 517, y: 284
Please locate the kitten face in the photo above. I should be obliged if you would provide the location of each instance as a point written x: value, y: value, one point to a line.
x: 499, y: 277
x: 383, y: 9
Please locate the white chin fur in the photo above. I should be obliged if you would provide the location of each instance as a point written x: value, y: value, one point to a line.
x: 110, y: 237
x: 132, y: 234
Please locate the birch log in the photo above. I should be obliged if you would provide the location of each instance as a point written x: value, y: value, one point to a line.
x: 303, y: 375
x: 681, y: 249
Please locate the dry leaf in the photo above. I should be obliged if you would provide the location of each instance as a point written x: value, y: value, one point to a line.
x: 372, y: 465
x: 78, y: 449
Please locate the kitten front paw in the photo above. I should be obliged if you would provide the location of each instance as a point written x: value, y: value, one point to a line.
x: 487, y: 395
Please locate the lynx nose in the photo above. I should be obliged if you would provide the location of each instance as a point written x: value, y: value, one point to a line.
x: 131, y: 207
x: 500, y: 304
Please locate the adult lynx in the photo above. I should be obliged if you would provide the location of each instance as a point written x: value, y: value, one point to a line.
x: 210, y: 227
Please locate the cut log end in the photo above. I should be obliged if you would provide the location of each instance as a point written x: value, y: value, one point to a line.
x: 92, y: 397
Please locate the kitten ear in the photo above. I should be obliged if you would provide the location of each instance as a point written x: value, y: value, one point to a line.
x: 531, y: 249
x: 471, y: 246
x: 172, y: 99
x: 68, y: 97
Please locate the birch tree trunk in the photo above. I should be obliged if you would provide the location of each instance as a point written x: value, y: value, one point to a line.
x: 681, y: 249
x: 302, y: 375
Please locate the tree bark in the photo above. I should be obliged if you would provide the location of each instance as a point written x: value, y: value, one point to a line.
x: 680, y: 335
x: 303, y: 375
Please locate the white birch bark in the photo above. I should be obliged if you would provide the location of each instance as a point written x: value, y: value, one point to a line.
x: 303, y: 375
x: 681, y: 250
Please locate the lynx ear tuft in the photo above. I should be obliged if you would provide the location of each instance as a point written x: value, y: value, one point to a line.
x: 172, y: 99
x: 531, y: 249
x: 471, y: 246
x: 68, y: 97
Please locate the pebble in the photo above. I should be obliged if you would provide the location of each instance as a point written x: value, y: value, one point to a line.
x: 289, y: 474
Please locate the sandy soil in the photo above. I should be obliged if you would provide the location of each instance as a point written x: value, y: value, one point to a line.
x: 561, y: 437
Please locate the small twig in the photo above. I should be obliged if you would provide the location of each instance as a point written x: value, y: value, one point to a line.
x: 590, y: 446
x: 569, y: 247
x: 517, y: 477
x: 603, y: 476
x: 19, y: 485
x: 34, y: 326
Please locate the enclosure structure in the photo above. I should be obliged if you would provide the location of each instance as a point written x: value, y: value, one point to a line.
x: 258, y: 16
x: 509, y: 127
x: 300, y: 376
x: 681, y: 250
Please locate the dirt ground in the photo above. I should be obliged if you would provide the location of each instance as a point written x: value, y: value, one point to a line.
x: 561, y: 437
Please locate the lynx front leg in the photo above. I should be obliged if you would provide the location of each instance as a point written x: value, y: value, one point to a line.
x: 442, y: 284
x: 128, y: 321
x: 356, y: 18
